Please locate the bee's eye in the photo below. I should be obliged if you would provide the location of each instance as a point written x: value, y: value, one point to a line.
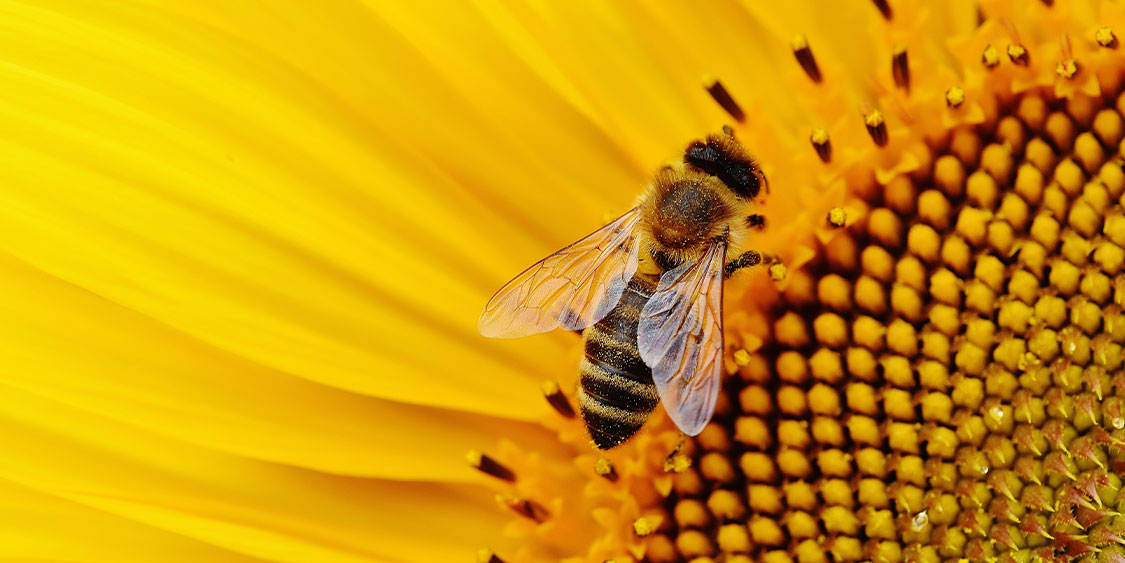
x: 753, y: 182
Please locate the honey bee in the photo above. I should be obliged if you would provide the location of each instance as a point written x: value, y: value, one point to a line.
x: 647, y: 291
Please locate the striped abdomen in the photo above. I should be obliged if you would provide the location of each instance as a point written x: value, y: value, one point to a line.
x: 615, y: 391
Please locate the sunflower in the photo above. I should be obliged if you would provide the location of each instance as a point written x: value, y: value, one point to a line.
x: 245, y: 245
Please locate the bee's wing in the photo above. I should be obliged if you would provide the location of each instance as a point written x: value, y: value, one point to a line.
x: 573, y: 288
x: 680, y: 336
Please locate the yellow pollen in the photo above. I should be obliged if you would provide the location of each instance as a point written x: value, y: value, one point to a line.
x: 604, y: 468
x: 474, y: 457
x: 645, y: 525
x: 990, y: 57
x: 1067, y: 68
x: 837, y: 217
x: 1017, y: 54
x: 677, y: 463
x: 741, y: 358
x: 1105, y: 37
x: 778, y: 271
x: 954, y: 97
x: 874, y: 118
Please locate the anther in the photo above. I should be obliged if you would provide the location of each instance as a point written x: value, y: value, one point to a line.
x: 741, y: 358
x: 1105, y: 37
x: 837, y: 217
x: 646, y: 525
x: 485, y: 464
x: 801, y: 50
x: 525, y: 507
x: 604, y: 468
x: 778, y: 271
x: 822, y: 144
x: 990, y: 57
x: 900, y: 68
x: 487, y: 556
x: 724, y: 99
x: 1018, y: 54
x: 676, y: 462
x: 1067, y: 68
x: 884, y: 8
x: 954, y: 97
x: 556, y: 399
x: 876, y: 127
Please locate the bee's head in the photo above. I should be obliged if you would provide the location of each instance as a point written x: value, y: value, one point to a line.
x: 724, y: 158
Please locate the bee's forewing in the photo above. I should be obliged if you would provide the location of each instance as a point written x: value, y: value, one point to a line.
x: 680, y: 336
x: 573, y: 288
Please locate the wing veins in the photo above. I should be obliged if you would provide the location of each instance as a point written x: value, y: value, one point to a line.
x: 573, y: 287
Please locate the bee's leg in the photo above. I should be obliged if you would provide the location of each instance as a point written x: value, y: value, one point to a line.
x: 756, y: 221
x: 746, y: 259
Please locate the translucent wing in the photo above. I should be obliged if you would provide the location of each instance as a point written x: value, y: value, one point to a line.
x: 680, y: 336
x: 573, y: 288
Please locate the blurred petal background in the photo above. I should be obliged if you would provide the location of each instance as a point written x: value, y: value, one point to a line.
x: 243, y: 246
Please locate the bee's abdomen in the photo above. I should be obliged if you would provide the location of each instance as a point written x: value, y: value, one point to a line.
x: 616, y: 393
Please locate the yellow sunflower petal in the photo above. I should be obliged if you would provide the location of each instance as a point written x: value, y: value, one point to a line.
x: 30, y: 523
x: 272, y: 511
x: 177, y: 385
x: 281, y: 238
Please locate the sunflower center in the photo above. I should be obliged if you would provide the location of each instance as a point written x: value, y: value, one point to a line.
x: 944, y: 382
